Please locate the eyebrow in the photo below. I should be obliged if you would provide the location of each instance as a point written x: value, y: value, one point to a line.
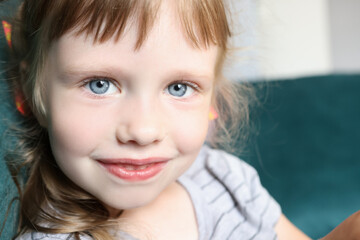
x: 79, y: 72
x: 111, y: 72
x: 193, y: 74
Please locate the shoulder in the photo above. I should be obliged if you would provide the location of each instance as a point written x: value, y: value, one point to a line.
x: 236, y: 202
x: 221, y: 170
x: 220, y: 166
x: 65, y: 236
x: 49, y: 236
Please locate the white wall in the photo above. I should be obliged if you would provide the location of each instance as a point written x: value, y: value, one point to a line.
x: 243, y: 62
x: 294, y: 38
x: 345, y: 35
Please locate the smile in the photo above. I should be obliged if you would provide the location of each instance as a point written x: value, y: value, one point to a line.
x: 134, y: 169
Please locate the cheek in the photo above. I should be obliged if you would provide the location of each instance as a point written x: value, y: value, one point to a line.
x: 74, y: 130
x: 190, y: 130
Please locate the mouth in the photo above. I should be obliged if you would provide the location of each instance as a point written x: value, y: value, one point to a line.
x: 134, y: 169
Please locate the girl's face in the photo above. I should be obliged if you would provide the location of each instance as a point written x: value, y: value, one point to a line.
x: 124, y: 124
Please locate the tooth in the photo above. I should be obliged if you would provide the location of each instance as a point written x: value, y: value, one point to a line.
x: 143, y: 167
x: 129, y: 167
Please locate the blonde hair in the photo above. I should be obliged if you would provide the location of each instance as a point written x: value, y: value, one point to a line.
x: 49, y: 196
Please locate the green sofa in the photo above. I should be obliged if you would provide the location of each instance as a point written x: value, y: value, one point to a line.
x: 8, y: 193
x: 306, y: 148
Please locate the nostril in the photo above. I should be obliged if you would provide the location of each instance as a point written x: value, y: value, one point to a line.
x: 139, y: 135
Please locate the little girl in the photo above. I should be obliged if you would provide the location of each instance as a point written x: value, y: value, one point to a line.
x: 117, y: 95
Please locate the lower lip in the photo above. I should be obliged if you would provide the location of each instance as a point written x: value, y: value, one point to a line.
x: 134, y: 174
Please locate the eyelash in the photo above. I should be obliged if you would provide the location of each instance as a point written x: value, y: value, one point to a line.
x: 190, y: 84
x: 191, y: 89
x: 193, y: 85
x: 87, y: 81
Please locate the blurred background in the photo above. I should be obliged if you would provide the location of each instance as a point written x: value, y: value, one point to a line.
x: 292, y: 38
x: 303, y: 57
x: 306, y: 129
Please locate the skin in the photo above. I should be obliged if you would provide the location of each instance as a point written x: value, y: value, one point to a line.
x: 349, y: 229
x: 137, y: 117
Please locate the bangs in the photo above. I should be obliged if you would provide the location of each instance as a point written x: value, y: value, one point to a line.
x: 204, y: 21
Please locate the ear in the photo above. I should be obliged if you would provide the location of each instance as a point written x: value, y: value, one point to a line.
x: 213, y: 114
x: 22, y: 103
x: 20, y: 100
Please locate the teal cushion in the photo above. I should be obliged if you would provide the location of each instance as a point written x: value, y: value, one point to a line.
x: 307, y: 149
x: 8, y: 191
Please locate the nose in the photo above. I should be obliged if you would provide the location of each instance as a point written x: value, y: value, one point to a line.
x: 141, y: 124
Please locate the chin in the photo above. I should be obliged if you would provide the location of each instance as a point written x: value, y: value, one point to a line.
x: 130, y: 202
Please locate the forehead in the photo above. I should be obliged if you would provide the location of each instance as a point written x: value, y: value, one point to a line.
x: 165, y: 44
x: 204, y: 22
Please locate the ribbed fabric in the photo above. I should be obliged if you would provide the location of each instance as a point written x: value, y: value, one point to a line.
x: 228, y: 198
x: 229, y: 201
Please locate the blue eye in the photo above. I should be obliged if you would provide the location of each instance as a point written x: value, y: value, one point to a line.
x: 101, y: 86
x: 179, y: 90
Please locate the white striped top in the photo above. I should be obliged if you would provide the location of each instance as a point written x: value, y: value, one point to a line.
x: 228, y: 198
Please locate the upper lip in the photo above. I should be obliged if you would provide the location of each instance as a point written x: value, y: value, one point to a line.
x: 132, y: 161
